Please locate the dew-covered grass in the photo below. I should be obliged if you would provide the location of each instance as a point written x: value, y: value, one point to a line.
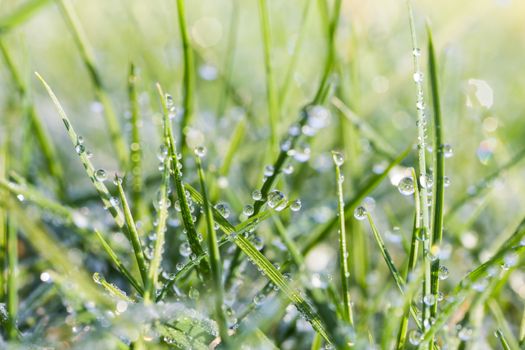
x: 261, y: 175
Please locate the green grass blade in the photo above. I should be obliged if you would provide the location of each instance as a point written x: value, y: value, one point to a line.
x: 118, y: 263
x: 135, y: 158
x: 271, y: 91
x: 176, y: 166
x: 503, y: 341
x: 132, y: 233
x: 88, y: 166
x: 324, y: 230
x: 112, y: 289
x: 12, y: 284
x: 504, y: 327
x: 439, y: 170
x: 215, y: 259
x: 343, y: 247
x: 189, y: 74
x: 162, y: 216
x: 293, y: 249
x: 86, y: 53
x: 21, y: 14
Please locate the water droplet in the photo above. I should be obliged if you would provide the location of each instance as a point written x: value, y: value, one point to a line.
x: 268, y: 170
x: 416, y: 52
x: 185, y: 249
x: 45, y: 277
x: 223, y: 209
x: 443, y: 272
x: 101, y: 175
x: 418, y: 77
x: 338, y: 158
x: 256, y: 195
x: 258, y: 242
x: 277, y: 200
x: 426, y: 181
x: 79, y: 148
x: 296, y: 205
x: 200, y: 151
x: 20, y: 197
x: 414, y: 337
x: 114, y: 201
x: 406, y: 186
x: 162, y: 153
x: 318, y: 117
x: 429, y: 299
x: 300, y: 153
x: 288, y: 169
x: 360, y: 213
x: 248, y: 210
x: 258, y: 299
x: 465, y: 334
x: 447, y: 150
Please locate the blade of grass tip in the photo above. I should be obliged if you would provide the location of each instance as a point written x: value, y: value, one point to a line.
x: 268, y: 269
x: 421, y: 122
x: 118, y: 263
x: 21, y: 14
x: 439, y: 171
x: 46, y: 145
x: 162, y: 216
x: 285, y: 88
x: 215, y: 256
x: 271, y: 92
x: 132, y: 232
x: 97, y: 181
x: 344, y: 270
x: 86, y: 53
x: 193, y: 239
x: 135, y: 147
x: 324, y: 230
x: 412, y: 261
x: 111, y: 288
x: 12, y: 283
x: 317, y: 342
x: 189, y: 75
x: 503, y: 341
x: 229, y: 58
x: 503, y: 325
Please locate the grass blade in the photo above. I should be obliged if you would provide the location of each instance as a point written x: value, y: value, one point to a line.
x: 215, y: 259
x: 503, y: 341
x: 189, y: 74
x: 162, y: 216
x: 133, y: 235
x: 176, y: 166
x: 88, y: 166
x: 135, y: 158
x: 343, y: 248
x: 12, y: 285
x: 86, y: 53
x: 118, y: 263
x: 20, y: 15
x: 271, y: 92
x: 439, y: 170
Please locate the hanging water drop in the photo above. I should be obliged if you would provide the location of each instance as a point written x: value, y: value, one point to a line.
x: 223, y: 209
x: 256, y: 195
x: 447, y: 150
x: 443, y: 272
x: 406, y: 186
x: 360, y: 213
x: 338, y: 158
x: 248, y: 210
x: 101, y: 175
x: 268, y: 170
x: 277, y: 200
x: 200, y: 151
x: 296, y: 205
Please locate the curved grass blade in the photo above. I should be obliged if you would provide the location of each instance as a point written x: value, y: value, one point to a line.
x: 189, y: 75
x: 439, y: 171
x: 503, y: 340
x: 215, y: 259
x: 87, y: 56
x: 88, y: 166
x: 111, y: 288
x: 504, y: 327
